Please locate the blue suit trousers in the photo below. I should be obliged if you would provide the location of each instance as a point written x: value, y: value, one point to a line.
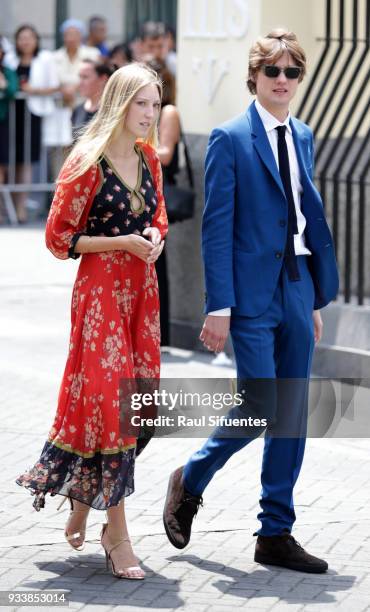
x: 275, y: 345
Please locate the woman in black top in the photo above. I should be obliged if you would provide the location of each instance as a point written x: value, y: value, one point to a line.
x: 93, y: 78
x: 37, y: 78
x: 169, y: 130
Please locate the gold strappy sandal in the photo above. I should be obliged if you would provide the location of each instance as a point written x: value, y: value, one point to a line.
x: 78, y: 534
x: 124, y: 572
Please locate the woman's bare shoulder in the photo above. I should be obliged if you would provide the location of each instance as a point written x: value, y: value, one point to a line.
x: 171, y: 111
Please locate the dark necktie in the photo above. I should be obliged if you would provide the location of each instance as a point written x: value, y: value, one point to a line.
x: 284, y: 169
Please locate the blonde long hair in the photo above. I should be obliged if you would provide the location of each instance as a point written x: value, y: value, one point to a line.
x: 118, y: 94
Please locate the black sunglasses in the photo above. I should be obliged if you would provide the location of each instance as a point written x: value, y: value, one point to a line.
x: 291, y: 72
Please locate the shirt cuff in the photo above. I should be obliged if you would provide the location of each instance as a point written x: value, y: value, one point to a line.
x: 223, y: 312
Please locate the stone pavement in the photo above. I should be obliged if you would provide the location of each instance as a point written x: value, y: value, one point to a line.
x: 216, y: 571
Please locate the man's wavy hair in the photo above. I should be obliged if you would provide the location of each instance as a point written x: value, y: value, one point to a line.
x: 269, y: 49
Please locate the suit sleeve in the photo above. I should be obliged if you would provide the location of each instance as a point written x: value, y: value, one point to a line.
x: 218, y: 222
x: 69, y: 211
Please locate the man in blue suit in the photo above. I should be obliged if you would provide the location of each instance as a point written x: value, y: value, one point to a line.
x: 269, y: 267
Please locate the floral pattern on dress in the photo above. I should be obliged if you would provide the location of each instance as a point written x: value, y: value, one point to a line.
x: 99, y: 481
x: 115, y: 335
x: 124, y: 297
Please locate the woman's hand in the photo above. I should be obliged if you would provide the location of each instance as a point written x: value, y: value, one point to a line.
x: 156, y: 252
x: 142, y: 248
x: 153, y: 234
x: 138, y: 246
x: 26, y: 87
x: 133, y: 243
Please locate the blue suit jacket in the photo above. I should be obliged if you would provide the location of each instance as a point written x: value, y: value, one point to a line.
x: 245, y: 218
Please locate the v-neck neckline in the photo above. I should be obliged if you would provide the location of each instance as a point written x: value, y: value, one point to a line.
x: 139, y: 174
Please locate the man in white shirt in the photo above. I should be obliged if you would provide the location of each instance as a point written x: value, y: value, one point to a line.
x: 69, y: 57
x: 269, y: 267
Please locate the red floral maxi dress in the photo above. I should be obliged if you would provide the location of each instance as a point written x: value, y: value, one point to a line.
x: 115, y: 334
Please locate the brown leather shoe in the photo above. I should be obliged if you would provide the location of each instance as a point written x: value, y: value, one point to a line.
x: 179, y: 510
x: 285, y: 551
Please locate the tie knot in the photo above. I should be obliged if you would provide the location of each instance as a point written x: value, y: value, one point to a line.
x: 281, y: 131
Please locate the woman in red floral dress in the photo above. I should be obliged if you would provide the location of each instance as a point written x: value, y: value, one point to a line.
x: 109, y: 207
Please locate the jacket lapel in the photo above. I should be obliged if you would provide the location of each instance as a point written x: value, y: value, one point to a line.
x: 298, y: 139
x: 262, y: 145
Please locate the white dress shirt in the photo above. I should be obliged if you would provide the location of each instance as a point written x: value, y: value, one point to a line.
x: 68, y: 69
x: 270, y: 123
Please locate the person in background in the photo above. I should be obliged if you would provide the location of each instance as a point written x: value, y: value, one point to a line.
x: 153, y: 41
x: 169, y: 132
x: 93, y: 78
x: 37, y: 78
x: 98, y: 34
x: 135, y: 47
x: 69, y: 57
x: 8, y: 88
x: 120, y: 55
x: 171, y: 57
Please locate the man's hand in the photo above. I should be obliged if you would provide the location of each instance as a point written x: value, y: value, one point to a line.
x: 317, y: 325
x: 69, y: 94
x: 215, y: 332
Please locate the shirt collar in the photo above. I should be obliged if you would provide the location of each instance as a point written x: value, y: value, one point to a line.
x: 269, y: 121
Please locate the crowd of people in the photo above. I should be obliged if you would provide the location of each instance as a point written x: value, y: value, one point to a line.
x: 77, y: 72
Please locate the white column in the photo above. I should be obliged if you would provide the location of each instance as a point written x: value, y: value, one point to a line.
x: 214, y: 37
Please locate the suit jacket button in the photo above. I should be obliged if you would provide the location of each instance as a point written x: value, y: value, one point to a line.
x: 278, y: 254
x: 282, y: 223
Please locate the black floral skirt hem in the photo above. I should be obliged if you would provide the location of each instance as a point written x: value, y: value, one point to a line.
x: 100, y: 481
